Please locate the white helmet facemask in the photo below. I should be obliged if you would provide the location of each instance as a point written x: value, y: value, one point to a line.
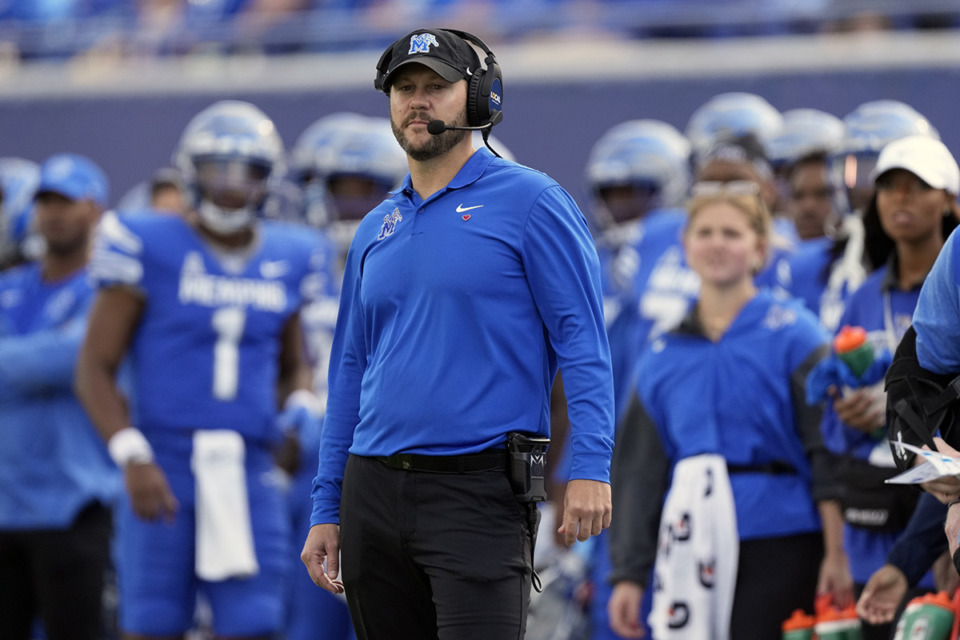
x: 230, y: 193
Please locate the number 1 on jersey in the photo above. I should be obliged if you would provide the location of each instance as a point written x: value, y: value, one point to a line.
x: 228, y: 323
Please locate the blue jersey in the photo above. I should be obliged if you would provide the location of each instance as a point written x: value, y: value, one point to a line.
x: 786, y: 230
x: 52, y: 461
x: 454, y: 317
x: 778, y: 260
x: 937, y: 312
x: 823, y: 282
x: 657, y: 292
x: 737, y: 397
x: 803, y: 274
x: 206, y: 351
x: 318, y: 317
x: 664, y: 286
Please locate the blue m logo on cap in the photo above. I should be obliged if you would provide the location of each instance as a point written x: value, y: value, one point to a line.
x: 421, y: 42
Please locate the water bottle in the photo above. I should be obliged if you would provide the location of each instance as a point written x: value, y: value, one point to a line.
x: 798, y: 626
x: 906, y: 617
x: 838, y: 624
x: 927, y: 617
x: 851, y: 346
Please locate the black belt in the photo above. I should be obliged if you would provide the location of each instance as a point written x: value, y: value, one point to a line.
x: 776, y: 468
x: 482, y: 461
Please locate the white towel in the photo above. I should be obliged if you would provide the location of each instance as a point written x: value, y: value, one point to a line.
x: 696, y: 568
x: 224, y: 532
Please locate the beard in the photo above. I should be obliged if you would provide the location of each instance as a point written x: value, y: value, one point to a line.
x: 435, y: 146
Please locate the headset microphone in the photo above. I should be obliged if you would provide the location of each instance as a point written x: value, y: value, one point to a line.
x: 436, y: 127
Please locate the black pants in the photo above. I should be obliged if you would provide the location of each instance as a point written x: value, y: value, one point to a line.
x: 774, y: 577
x: 433, y: 555
x: 58, y: 575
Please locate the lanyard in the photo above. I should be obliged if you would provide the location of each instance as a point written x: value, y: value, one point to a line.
x: 889, y: 330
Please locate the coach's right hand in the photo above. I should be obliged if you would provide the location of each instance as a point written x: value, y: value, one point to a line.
x: 323, y: 545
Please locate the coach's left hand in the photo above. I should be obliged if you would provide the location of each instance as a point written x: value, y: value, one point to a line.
x: 321, y: 556
x: 587, y: 509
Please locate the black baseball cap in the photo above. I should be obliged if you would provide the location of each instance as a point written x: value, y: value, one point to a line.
x: 449, y: 55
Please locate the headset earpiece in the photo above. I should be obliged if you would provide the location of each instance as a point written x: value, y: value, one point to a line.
x: 382, y: 67
x: 474, y: 115
x: 485, y: 94
x: 485, y: 89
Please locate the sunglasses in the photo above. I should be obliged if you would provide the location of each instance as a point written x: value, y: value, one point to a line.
x: 733, y: 187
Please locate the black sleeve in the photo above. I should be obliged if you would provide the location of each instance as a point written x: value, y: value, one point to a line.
x: 825, y: 482
x: 920, y: 403
x: 922, y: 541
x: 640, y: 474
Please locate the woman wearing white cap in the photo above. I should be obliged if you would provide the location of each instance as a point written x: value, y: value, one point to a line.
x: 912, y: 211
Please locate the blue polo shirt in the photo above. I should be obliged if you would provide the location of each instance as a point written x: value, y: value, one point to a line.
x: 455, y: 314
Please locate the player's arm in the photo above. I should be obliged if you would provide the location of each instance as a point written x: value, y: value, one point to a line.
x: 299, y: 404
x: 116, y: 269
x: 113, y: 320
x: 295, y: 372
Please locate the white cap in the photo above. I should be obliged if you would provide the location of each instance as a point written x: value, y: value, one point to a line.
x: 926, y: 158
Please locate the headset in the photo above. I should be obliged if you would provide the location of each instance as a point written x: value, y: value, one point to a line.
x: 485, y: 89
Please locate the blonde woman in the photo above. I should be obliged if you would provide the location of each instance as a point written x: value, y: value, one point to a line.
x: 719, y: 460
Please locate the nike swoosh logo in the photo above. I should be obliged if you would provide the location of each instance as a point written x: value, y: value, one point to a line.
x: 461, y: 208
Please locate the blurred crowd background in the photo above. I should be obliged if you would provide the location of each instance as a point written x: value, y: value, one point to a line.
x: 118, y: 79
x: 59, y: 29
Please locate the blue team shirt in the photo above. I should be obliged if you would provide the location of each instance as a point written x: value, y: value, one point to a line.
x: 656, y: 293
x: 803, y: 275
x: 52, y: 461
x: 937, y: 313
x: 734, y: 398
x: 454, y: 317
x: 806, y: 275
x: 206, y: 351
